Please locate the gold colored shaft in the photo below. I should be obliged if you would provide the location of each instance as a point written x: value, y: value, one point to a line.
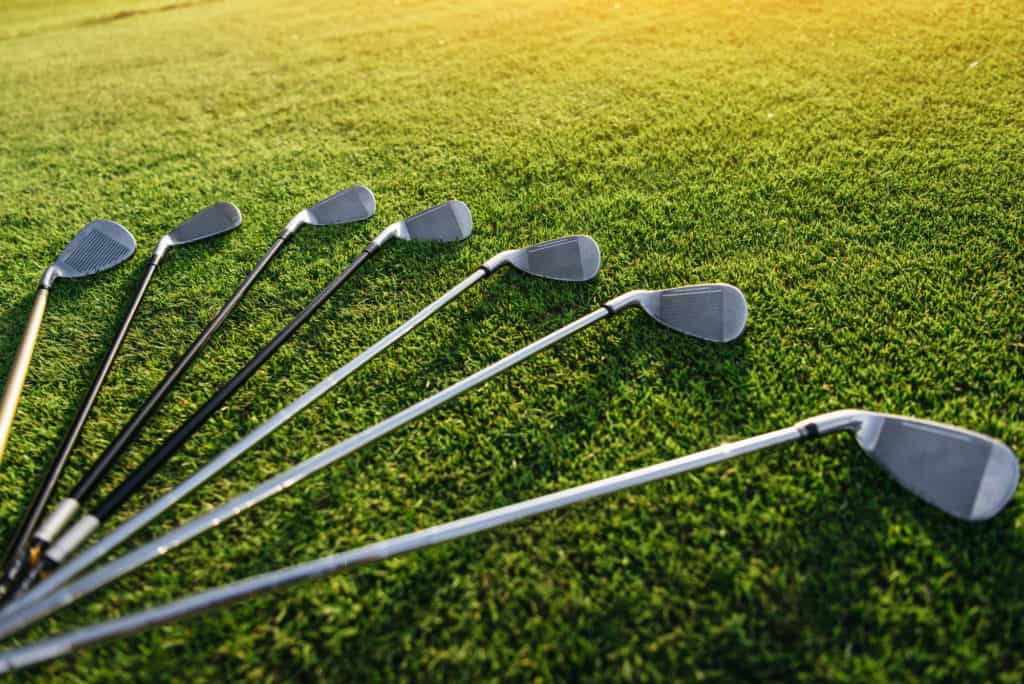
x: 16, y: 379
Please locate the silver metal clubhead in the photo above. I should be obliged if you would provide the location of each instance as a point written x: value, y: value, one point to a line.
x: 446, y: 222
x: 716, y: 312
x: 215, y: 219
x: 99, y: 246
x: 966, y: 474
x: 348, y: 206
x: 574, y: 258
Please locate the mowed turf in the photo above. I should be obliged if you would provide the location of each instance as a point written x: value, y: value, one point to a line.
x: 858, y: 171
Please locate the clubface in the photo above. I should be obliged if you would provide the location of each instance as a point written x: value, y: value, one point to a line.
x: 716, y: 312
x: 575, y: 258
x: 97, y: 247
x: 446, y: 222
x: 348, y: 206
x: 215, y: 219
x: 966, y: 474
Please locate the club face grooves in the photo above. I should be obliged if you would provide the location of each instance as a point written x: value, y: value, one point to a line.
x: 574, y: 258
x: 966, y: 474
x: 350, y: 205
x: 715, y: 312
x: 99, y: 246
x: 446, y: 222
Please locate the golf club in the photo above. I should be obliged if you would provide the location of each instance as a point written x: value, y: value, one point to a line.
x: 216, y: 219
x: 965, y: 474
x: 715, y: 312
x: 347, y: 206
x: 99, y: 246
x: 446, y: 222
x: 574, y: 258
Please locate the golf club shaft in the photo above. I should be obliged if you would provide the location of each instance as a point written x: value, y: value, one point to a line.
x: 389, y: 548
x: 57, y: 520
x: 19, y: 369
x: 277, y: 484
x: 113, y: 502
x: 76, y: 564
x: 17, y: 552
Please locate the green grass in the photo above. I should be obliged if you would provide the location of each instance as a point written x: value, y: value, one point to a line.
x: 858, y: 171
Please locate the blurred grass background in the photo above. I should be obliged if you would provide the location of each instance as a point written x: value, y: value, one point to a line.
x: 855, y: 168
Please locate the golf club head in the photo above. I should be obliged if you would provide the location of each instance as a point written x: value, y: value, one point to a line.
x: 215, y: 219
x: 446, y: 222
x: 347, y: 206
x: 574, y: 259
x: 716, y: 312
x: 99, y: 246
x: 968, y: 475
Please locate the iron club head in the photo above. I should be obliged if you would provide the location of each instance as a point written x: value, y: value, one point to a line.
x: 966, y: 474
x: 716, y: 312
x: 446, y: 222
x: 214, y: 220
x: 347, y: 206
x: 574, y: 258
x: 99, y: 246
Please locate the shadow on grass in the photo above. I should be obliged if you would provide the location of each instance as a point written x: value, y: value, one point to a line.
x: 67, y: 296
x: 584, y: 413
x: 871, y: 542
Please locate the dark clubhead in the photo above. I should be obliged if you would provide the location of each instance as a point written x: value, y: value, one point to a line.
x: 215, y: 219
x: 99, y: 246
x: 575, y: 258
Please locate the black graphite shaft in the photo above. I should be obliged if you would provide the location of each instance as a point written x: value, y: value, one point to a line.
x: 147, y: 468
x: 92, y: 479
x: 17, y: 550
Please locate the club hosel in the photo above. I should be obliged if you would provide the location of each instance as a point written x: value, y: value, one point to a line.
x: 49, y: 276
x: 845, y: 420
x: 60, y: 550
x: 55, y: 523
x: 162, y: 246
x: 498, y: 261
x: 395, y: 230
x: 624, y: 301
x: 299, y: 220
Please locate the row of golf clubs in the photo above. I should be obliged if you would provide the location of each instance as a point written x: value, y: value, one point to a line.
x: 966, y: 474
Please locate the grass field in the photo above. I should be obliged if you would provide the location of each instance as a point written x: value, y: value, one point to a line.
x: 857, y: 170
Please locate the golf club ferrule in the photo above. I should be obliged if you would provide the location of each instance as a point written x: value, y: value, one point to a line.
x: 72, y: 539
x: 57, y: 520
x: 837, y: 421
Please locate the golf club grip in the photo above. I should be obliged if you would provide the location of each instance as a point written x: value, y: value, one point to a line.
x: 147, y: 468
x: 19, y: 546
x: 99, y: 469
x: 19, y: 369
